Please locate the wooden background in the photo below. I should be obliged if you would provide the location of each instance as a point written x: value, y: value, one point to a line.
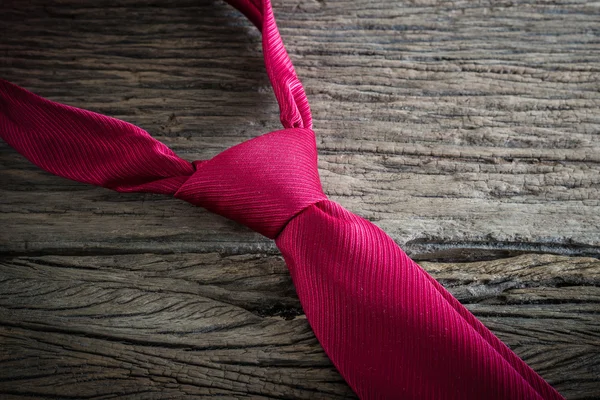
x: 469, y: 131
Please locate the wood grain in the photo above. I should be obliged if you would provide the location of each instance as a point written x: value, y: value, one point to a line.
x: 452, y: 125
x: 171, y: 326
x: 466, y: 130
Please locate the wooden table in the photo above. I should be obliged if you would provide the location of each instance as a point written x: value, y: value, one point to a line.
x: 468, y: 131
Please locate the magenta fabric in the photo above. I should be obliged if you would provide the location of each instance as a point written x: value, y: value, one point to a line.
x: 391, y: 330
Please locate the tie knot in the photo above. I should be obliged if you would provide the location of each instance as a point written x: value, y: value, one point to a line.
x: 262, y: 183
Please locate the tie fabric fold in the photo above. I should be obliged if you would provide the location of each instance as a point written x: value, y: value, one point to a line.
x: 392, y: 331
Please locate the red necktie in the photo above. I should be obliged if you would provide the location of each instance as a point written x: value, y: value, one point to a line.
x: 391, y: 330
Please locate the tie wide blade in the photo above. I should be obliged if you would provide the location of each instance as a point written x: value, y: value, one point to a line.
x: 391, y: 330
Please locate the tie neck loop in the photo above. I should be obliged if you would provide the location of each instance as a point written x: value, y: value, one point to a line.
x: 294, y: 109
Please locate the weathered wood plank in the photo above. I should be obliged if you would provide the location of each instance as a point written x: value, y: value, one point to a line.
x: 158, y: 326
x: 452, y: 125
x: 467, y: 131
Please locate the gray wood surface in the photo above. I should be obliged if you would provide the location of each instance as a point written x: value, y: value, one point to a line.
x: 469, y: 131
x: 164, y: 326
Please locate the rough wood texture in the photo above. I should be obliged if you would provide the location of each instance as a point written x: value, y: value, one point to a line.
x: 467, y: 131
x: 452, y: 125
x: 165, y: 326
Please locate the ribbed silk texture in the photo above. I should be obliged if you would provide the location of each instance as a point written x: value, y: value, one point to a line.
x: 391, y: 330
